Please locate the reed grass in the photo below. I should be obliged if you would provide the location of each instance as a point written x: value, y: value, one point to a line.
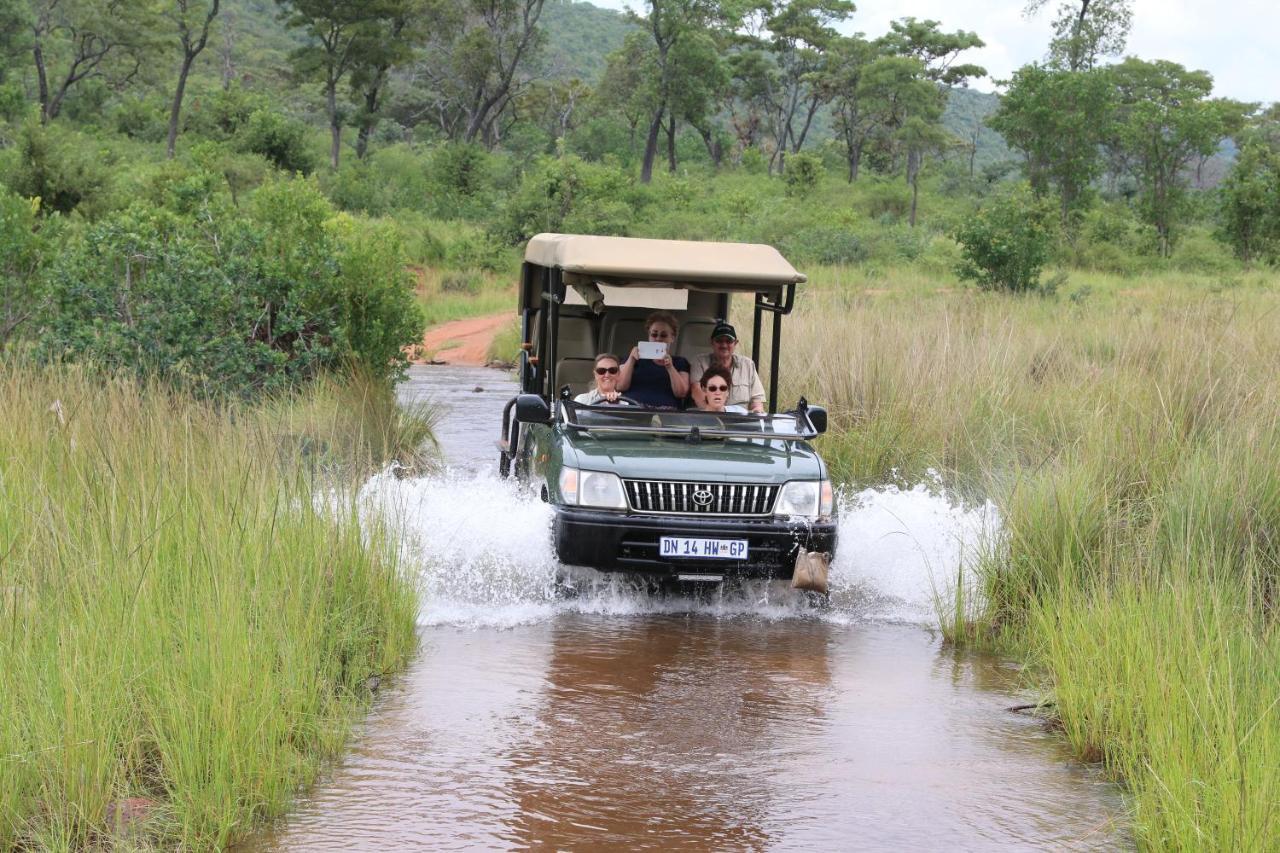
x: 1130, y: 436
x: 189, y: 611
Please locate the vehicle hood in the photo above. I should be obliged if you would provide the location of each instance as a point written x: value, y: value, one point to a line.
x: 712, y: 460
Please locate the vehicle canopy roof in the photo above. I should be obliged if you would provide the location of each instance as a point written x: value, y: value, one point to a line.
x: 692, y: 264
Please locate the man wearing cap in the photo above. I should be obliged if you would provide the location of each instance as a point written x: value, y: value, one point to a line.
x: 746, y: 388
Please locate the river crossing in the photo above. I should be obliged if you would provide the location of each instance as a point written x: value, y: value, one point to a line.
x: 732, y: 720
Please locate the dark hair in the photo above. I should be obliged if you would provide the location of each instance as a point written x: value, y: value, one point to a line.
x: 722, y: 372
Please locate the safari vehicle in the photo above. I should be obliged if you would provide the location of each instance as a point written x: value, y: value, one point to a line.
x: 672, y: 495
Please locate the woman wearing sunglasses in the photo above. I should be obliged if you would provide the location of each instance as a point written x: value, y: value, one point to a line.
x: 606, y: 392
x: 715, y: 384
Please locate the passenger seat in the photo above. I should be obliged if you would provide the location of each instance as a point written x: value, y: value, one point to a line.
x: 575, y: 359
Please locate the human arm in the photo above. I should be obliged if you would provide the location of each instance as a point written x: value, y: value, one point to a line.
x: 757, y: 391
x: 696, y: 368
x: 627, y: 368
x: 678, y: 372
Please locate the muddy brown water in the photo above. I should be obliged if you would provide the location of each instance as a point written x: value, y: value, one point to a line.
x: 712, y: 721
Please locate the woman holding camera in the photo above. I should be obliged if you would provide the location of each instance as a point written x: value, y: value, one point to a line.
x: 658, y: 383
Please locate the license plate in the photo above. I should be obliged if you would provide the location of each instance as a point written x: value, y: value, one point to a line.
x: 689, y: 546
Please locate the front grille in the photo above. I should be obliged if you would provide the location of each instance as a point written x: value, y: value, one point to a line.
x: 682, y: 498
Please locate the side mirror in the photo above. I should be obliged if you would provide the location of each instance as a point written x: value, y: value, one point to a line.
x: 532, y: 409
x: 818, y: 417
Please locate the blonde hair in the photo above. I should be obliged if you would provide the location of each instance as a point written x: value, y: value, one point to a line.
x: 602, y: 356
x: 663, y: 317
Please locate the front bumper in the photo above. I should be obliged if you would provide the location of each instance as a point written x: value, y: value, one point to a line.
x: 619, y: 542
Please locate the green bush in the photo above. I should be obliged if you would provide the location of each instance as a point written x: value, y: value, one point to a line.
x: 223, y: 113
x: 229, y: 303
x: 144, y: 119
x: 753, y: 161
x: 58, y: 166
x: 571, y: 195
x: 1006, y: 243
x: 824, y: 245
x: 281, y: 140
x: 26, y: 241
x: 803, y: 174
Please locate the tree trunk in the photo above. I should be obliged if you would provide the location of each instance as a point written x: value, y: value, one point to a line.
x: 175, y: 112
x: 369, y: 118
x: 42, y: 80
x: 671, y: 145
x: 915, y: 195
x: 714, y: 150
x: 335, y: 127
x: 651, y: 146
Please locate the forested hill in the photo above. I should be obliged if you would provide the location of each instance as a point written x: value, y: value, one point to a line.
x: 580, y: 37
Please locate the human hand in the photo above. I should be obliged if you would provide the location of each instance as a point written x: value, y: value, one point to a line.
x: 665, y: 361
x: 634, y: 354
x: 611, y: 396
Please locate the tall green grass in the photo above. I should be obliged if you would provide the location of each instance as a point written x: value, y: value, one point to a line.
x: 1130, y: 436
x: 190, y: 612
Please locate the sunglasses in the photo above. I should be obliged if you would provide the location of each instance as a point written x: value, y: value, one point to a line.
x: 713, y: 388
x: 601, y: 371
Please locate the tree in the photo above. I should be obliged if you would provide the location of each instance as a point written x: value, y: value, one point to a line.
x: 86, y: 35
x: 337, y: 31
x: 1165, y: 119
x: 189, y: 17
x: 937, y: 53
x: 668, y: 23
x: 800, y: 32
x: 387, y: 41
x: 1058, y: 119
x: 843, y: 82
x: 1086, y: 30
x: 1005, y: 244
x: 1251, y: 201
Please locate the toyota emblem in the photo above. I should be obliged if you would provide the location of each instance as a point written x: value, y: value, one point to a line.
x: 702, y: 497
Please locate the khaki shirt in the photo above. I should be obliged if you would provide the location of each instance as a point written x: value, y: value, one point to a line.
x: 746, y: 386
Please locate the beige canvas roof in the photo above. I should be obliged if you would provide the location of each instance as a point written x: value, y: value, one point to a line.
x: 622, y: 260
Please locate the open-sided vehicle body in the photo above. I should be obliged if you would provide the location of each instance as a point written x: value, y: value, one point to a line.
x: 669, y: 494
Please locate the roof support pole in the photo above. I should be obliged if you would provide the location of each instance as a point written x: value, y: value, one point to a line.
x: 774, y: 356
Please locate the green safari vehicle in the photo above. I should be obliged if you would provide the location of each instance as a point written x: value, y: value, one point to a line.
x: 671, y: 495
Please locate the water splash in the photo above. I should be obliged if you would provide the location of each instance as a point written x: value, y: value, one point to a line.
x: 482, y: 548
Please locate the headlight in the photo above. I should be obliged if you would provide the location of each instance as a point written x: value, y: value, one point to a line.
x: 806, y: 499
x: 598, y: 489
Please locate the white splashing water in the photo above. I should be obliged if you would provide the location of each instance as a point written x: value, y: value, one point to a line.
x: 482, y: 547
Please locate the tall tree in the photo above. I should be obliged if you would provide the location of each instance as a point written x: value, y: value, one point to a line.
x: 1086, y: 30
x: 667, y: 24
x: 1165, y: 119
x: 799, y: 32
x: 842, y: 80
x: 1059, y: 120
x: 938, y: 54
x: 337, y: 31
x: 192, y: 19
x: 85, y: 38
x: 388, y: 41
x: 502, y: 38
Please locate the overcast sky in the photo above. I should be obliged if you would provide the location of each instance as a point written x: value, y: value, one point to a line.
x: 1227, y: 38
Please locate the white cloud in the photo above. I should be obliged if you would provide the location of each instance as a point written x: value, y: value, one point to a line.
x: 1231, y: 39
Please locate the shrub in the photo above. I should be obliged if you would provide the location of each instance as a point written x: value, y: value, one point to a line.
x: 144, y: 119
x: 59, y: 167
x: 281, y: 140
x: 1005, y: 244
x: 825, y: 245
x: 753, y: 161
x: 803, y: 174
x: 568, y: 194
x: 233, y: 304
x: 223, y: 113
x: 25, y: 244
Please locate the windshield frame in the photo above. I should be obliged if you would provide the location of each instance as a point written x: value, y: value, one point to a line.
x: 718, y: 424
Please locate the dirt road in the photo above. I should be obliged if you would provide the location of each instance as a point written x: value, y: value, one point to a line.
x: 460, y: 341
